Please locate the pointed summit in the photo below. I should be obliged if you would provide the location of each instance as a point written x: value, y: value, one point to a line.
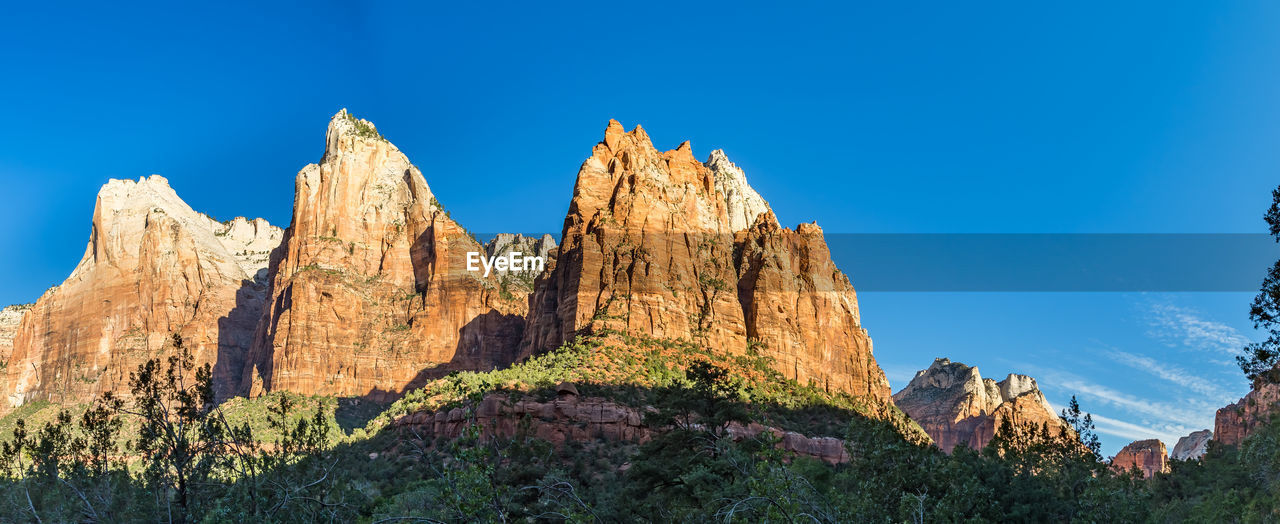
x: 955, y: 405
x: 742, y: 202
x: 371, y: 292
x: 153, y: 266
x: 668, y: 236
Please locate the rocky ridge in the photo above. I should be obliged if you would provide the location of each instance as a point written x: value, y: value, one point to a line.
x: 955, y: 405
x: 1147, y: 455
x: 1234, y: 422
x: 571, y: 418
x: 370, y: 293
x: 153, y: 266
x: 1193, y: 446
x: 661, y: 244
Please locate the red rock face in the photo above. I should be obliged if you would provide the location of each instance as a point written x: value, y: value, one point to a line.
x: 1149, y: 456
x: 370, y: 294
x: 1235, y: 422
x: 10, y: 317
x: 153, y: 267
x: 585, y: 419
x: 955, y: 405
x: 658, y: 244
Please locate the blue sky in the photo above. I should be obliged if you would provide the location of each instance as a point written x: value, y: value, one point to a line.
x: 1149, y: 117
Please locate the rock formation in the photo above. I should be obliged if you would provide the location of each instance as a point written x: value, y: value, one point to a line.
x: 586, y: 419
x: 370, y: 294
x: 1235, y: 422
x: 1147, y: 455
x: 955, y: 405
x: 520, y: 282
x: 10, y: 316
x: 153, y: 266
x: 659, y: 244
x: 1193, y: 446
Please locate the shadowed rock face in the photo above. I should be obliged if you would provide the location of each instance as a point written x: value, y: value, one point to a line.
x: 659, y: 244
x: 153, y: 266
x: 370, y: 294
x: 1193, y: 446
x: 955, y: 405
x: 570, y: 418
x: 1235, y: 422
x: 1147, y: 455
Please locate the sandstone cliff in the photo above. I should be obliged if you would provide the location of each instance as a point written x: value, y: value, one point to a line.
x: 955, y: 405
x: 1235, y: 422
x: 1147, y: 455
x: 370, y: 294
x: 1193, y: 446
x: 152, y: 266
x: 10, y: 317
x: 662, y: 245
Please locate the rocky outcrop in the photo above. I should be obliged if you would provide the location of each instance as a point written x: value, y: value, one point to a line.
x: 370, y: 292
x: 153, y: 266
x: 661, y: 245
x: 1147, y: 456
x: 10, y: 317
x: 505, y: 244
x: 1193, y: 446
x: 955, y: 405
x: 1235, y: 422
x: 571, y: 418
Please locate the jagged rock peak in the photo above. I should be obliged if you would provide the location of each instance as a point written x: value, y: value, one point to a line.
x: 954, y: 404
x: 1234, y: 422
x: 744, y: 204
x: 153, y: 266
x: 1193, y: 446
x: 527, y: 246
x: 371, y: 293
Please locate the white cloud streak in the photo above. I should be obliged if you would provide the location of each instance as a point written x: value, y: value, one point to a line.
x: 1179, y: 326
x: 1183, y: 379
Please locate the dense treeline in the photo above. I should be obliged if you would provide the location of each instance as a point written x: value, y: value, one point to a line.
x: 185, y: 462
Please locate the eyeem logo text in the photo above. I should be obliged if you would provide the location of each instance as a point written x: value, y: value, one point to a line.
x: 510, y: 262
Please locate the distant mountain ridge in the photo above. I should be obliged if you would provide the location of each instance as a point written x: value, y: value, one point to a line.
x: 367, y: 293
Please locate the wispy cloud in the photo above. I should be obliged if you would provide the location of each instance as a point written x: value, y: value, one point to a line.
x: 1178, y: 326
x: 1154, y: 417
x: 1174, y: 374
x: 1128, y: 431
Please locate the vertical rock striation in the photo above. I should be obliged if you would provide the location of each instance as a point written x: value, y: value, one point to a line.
x: 1235, y: 422
x: 153, y: 266
x: 1146, y: 455
x: 659, y: 244
x: 10, y: 317
x: 369, y: 292
x: 955, y: 405
x: 1193, y: 446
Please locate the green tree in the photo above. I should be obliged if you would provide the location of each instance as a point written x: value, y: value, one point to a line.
x: 1260, y: 358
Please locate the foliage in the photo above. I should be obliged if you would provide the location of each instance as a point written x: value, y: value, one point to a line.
x: 1260, y: 358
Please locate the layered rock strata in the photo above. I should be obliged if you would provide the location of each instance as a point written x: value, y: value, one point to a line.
x: 370, y: 292
x: 152, y: 267
x: 661, y: 245
x: 956, y: 406
x: 1235, y: 422
x: 570, y: 418
x: 1193, y: 446
x: 1147, y: 456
